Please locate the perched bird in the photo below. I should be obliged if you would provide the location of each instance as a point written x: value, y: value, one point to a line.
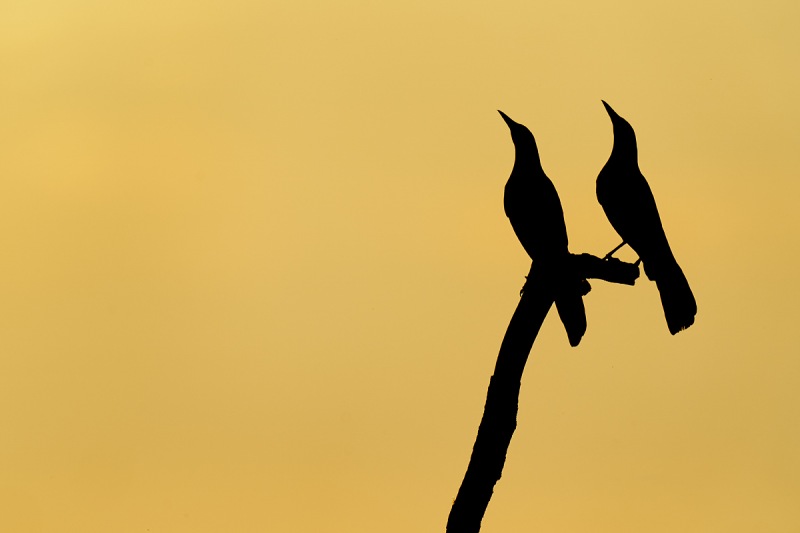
x: 534, y: 209
x: 628, y: 202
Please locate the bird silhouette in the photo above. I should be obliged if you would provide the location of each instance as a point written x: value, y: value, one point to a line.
x: 628, y: 202
x: 534, y: 209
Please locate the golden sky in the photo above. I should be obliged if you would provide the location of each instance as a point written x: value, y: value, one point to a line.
x: 255, y: 269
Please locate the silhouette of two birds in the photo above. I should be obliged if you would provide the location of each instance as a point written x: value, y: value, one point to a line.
x: 534, y: 209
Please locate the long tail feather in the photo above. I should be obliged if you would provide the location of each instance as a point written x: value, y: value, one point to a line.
x: 572, y: 314
x: 677, y: 299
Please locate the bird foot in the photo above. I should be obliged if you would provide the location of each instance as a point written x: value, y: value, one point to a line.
x: 610, y: 254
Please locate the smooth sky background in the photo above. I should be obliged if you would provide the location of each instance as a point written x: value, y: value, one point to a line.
x: 255, y: 271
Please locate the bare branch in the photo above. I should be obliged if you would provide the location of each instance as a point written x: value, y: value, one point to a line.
x: 502, y: 399
x: 612, y: 270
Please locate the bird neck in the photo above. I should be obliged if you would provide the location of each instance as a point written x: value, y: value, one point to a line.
x: 624, y: 152
x: 527, y: 157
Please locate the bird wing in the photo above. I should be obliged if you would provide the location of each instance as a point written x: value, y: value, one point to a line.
x: 631, y: 209
x: 535, y: 212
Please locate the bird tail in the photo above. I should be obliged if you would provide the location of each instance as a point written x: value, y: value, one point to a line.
x: 677, y: 299
x: 569, y: 304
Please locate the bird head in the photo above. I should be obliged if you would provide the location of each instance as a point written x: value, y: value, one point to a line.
x: 624, y: 136
x: 522, y: 136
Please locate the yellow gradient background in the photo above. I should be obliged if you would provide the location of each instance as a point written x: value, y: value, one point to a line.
x: 255, y: 271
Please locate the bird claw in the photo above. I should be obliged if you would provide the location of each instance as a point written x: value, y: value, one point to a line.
x: 610, y: 254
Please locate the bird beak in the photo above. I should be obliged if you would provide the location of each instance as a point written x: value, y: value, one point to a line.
x: 611, y: 112
x: 510, y: 122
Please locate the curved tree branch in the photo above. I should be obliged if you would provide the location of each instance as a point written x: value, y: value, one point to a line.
x: 502, y: 399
